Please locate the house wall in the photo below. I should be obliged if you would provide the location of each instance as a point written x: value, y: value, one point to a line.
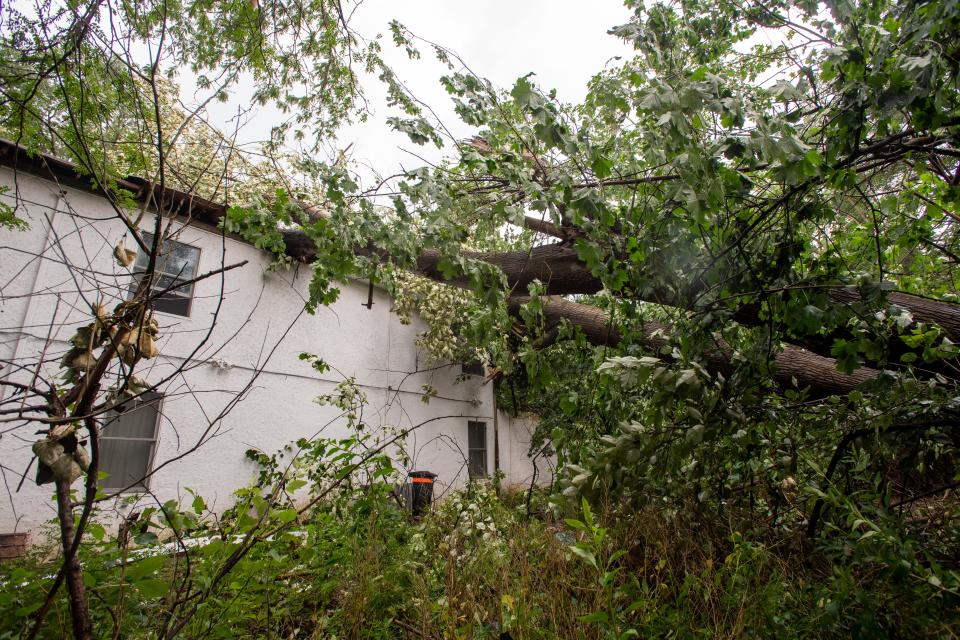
x: 240, y: 384
x: 522, y: 463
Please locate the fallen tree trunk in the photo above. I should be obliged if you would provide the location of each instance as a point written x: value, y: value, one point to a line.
x: 945, y: 315
x: 559, y: 268
x: 556, y: 266
x: 561, y: 272
x: 794, y: 367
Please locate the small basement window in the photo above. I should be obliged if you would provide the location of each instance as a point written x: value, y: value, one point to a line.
x: 477, y: 449
x: 474, y: 368
x: 127, y: 443
x: 176, y: 263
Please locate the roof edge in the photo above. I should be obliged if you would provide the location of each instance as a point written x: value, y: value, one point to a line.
x: 165, y: 200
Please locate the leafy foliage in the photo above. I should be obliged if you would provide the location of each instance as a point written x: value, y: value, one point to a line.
x: 475, y: 566
x: 758, y: 177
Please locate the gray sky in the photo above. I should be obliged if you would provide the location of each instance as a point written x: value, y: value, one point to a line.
x: 563, y: 42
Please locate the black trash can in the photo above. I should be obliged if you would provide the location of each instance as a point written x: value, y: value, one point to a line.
x: 421, y: 491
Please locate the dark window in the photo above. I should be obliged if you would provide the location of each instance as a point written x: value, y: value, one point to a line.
x: 176, y: 263
x: 477, y: 449
x: 127, y: 442
x: 474, y: 368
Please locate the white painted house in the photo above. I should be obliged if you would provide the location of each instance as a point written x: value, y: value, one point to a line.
x: 236, y: 338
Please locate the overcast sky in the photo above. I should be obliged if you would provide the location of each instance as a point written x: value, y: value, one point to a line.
x: 563, y: 42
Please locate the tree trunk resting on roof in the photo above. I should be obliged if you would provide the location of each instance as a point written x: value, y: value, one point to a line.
x: 561, y: 272
x: 943, y: 314
x: 792, y: 364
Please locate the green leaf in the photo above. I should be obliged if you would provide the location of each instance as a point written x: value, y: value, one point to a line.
x: 846, y: 353
x: 575, y: 524
x: 293, y: 485
x: 568, y: 403
x: 597, y: 617
x: 145, y: 538
x: 587, y: 514
x: 602, y: 166
x: 153, y: 587
x: 586, y: 555
x: 524, y: 94
x: 551, y: 133
x: 287, y: 515
x: 96, y: 530
x: 447, y: 268
x: 145, y: 567
x: 29, y: 608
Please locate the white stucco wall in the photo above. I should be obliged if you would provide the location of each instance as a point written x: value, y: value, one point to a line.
x: 521, y: 465
x: 255, y: 321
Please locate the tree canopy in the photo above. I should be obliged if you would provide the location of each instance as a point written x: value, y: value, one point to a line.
x: 756, y: 216
x: 726, y: 275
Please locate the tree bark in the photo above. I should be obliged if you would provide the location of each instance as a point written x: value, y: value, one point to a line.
x: 556, y: 266
x: 540, y: 225
x: 561, y: 272
x: 79, y: 613
x: 809, y: 370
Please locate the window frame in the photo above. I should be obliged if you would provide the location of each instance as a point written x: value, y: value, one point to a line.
x: 480, y: 427
x: 157, y: 302
x: 150, y: 397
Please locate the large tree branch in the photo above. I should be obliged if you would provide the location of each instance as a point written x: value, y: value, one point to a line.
x: 792, y: 366
x: 561, y: 272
